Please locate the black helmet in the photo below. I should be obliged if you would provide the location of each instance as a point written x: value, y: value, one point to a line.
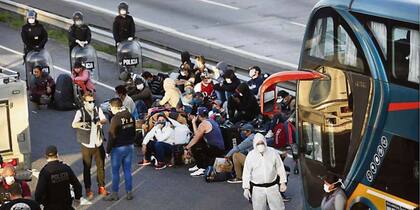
x: 77, y: 16
x: 123, y: 5
x: 31, y: 14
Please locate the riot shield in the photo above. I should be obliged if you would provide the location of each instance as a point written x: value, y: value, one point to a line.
x: 129, y: 57
x: 37, y: 58
x: 87, y: 55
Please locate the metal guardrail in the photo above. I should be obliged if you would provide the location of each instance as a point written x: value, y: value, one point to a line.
x: 106, y: 37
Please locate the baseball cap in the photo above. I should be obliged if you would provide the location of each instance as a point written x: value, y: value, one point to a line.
x: 201, y: 110
x: 218, y: 102
x: 51, y: 151
x: 247, y: 127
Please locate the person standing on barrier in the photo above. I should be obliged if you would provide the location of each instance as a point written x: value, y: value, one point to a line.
x: 122, y: 133
x: 124, y: 27
x: 79, y: 32
x: 53, y: 187
x: 34, y: 35
x: 88, y: 123
x: 263, y: 173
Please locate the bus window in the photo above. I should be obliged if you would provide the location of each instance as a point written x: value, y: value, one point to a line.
x: 379, y: 32
x: 311, y: 135
x: 322, y: 42
x: 406, y: 54
x: 399, y: 172
x: 347, y: 53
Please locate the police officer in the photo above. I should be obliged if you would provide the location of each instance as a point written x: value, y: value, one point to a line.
x: 53, y: 188
x: 122, y: 134
x: 34, y: 36
x: 123, y: 27
x: 79, y: 32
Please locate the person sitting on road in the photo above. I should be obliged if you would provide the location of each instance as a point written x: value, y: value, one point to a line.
x: 138, y: 90
x: 123, y: 27
x: 228, y: 86
x: 218, y: 113
x: 34, y: 35
x: 207, y: 143
x: 186, y: 75
x: 200, y: 68
x: 8, y: 179
x: 17, y: 201
x: 206, y: 85
x: 186, y: 58
x: 159, y: 141
x: 256, y: 79
x: 79, y: 32
x: 172, y: 94
x: 188, y: 95
x: 243, y: 106
x: 154, y: 82
x: 42, y: 87
x: 81, y: 77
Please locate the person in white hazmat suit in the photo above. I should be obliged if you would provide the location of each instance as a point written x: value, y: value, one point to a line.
x: 262, y: 175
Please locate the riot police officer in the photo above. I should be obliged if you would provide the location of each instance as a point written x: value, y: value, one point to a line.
x: 55, y: 178
x: 123, y: 27
x: 79, y: 32
x: 34, y: 36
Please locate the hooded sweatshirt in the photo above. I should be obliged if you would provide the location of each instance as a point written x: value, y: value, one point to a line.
x: 229, y: 87
x: 172, y: 93
x: 262, y: 168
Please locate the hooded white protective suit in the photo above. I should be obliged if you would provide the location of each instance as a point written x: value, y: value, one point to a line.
x: 262, y: 168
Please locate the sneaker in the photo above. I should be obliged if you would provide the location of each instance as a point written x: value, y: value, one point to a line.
x: 199, y: 172
x: 144, y: 163
x: 102, y: 191
x: 111, y: 197
x: 129, y: 196
x: 89, y: 194
x: 160, y: 166
x: 234, y: 181
x: 195, y: 168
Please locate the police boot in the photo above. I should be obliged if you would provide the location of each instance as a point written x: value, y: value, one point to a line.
x: 112, y: 197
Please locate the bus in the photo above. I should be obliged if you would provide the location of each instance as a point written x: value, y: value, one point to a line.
x: 357, y: 102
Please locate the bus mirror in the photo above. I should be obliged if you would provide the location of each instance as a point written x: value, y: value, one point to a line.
x: 270, y: 99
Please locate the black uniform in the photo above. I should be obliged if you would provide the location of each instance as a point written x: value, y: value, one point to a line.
x: 123, y: 28
x: 53, y: 188
x: 122, y: 130
x: 21, y: 203
x: 81, y: 33
x: 33, y: 37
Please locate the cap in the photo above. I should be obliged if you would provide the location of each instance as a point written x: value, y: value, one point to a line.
x: 78, y: 16
x: 78, y: 64
x: 283, y: 93
x: 31, y: 14
x: 247, y: 127
x: 202, y: 110
x: 123, y: 5
x: 51, y: 151
x: 218, y: 102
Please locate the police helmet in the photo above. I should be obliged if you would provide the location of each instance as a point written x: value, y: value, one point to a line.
x: 31, y: 14
x: 123, y: 5
x: 77, y: 16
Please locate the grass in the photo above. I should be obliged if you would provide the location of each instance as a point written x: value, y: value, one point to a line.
x: 14, y: 21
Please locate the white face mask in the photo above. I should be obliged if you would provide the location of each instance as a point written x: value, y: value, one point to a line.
x: 326, y: 188
x: 228, y: 80
x: 240, y: 94
x: 183, y: 73
x: 78, y: 22
x: 140, y: 86
x: 252, y: 73
x: 114, y: 110
x: 9, y: 180
x: 123, y: 12
x: 261, y: 148
x: 31, y: 20
x: 89, y: 106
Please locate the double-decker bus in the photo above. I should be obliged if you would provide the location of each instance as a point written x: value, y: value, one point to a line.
x: 357, y: 111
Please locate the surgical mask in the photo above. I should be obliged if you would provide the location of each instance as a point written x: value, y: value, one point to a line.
x: 183, y: 73
x: 252, y: 73
x: 89, y: 106
x: 326, y: 188
x: 78, y: 22
x: 9, y: 180
x: 31, y: 20
x: 240, y: 94
x: 228, y: 80
x: 261, y: 148
x: 123, y: 12
x: 140, y: 86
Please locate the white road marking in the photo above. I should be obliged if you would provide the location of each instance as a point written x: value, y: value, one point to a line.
x: 219, y: 4
x: 59, y: 68
x: 298, y: 24
x: 174, y: 32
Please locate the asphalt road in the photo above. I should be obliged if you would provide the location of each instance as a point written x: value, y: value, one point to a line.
x: 171, y: 188
x: 270, y: 29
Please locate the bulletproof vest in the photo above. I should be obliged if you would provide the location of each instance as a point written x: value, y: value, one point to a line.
x: 83, y: 135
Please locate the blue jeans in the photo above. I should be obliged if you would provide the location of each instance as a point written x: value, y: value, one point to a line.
x: 163, y: 150
x: 121, y: 156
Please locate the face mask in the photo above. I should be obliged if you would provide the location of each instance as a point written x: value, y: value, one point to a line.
x: 243, y: 136
x: 228, y: 80
x: 140, y: 86
x: 123, y: 12
x: 326, y: 188
x: 183, y: 73
x: 240, y: 94
x: 252, y: 73
x: 31, y: 20
x: 261, y: 148
x: 78, y: 22
x: 89, y: 106
x: 114, y: 110
x: 9, y: 180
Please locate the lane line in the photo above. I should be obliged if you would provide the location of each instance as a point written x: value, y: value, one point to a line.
x: 174, y: 32
x: 298, y: 24
x: 220, y: 4
x: 59, y: 68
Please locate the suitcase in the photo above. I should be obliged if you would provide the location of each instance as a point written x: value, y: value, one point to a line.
x: 64, y: 96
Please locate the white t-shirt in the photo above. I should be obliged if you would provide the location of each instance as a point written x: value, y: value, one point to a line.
x: 95, y: 138
x: 129, y: 104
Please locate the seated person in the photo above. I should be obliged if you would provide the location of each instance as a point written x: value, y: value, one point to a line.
x: 243, y: 106
x: 42, y: 86
x: 154, y: 82
x: 207, y: 143
x: 172, y: 94
x: 127, y: 100
x: 188, y: 94
x: 138, y: 89
x: 218, y: 113
x: 185, y: 75
x: 228, y: 86
x: 159, y: 141
x: 17, y: 201
x: 200, y: 68
x: 8, y: 180
x: 81, y: 77
x: 256, y: 79
x: 206, y: 85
